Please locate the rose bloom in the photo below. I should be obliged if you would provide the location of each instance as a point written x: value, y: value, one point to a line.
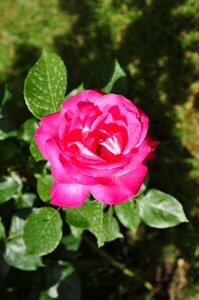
x: 97, y: 143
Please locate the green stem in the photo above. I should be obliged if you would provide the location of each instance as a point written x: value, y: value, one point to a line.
x: 127, y: 271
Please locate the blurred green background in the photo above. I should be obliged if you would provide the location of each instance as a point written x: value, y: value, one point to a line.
x: 157, y: 44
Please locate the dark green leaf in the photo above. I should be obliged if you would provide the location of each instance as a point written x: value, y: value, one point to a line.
x: 64, y: 283
x: 8, y: 151
x: 44, y: 184
x: 71, y: 242
x: 76, y: 217
x: 2, y: 230
x: 27, y: 130
x: 8, y: 188
x: 15, y: 249
x: 35, y: 151
x: 25, y: 200
x: 45, y: 85
x: 109, y: 79
x: 42, y: 231
x: 160, y: 210
x: 7, y: 129
x: 127, y: 214
x: 91, y: 216
x: 3, y: 101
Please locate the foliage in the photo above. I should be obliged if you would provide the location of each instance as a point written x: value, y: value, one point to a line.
x: 156, y: 44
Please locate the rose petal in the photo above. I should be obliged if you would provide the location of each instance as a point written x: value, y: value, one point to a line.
x: 122, y: 188
x: 138, y: 156
x: 70, y: 195
x: 87, y: 95
x: 62, y: 171
x: 48, y: 127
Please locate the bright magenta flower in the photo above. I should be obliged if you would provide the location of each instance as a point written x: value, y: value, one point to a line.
x: 96, y: 144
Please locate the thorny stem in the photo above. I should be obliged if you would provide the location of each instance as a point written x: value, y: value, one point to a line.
x: 127, y: 271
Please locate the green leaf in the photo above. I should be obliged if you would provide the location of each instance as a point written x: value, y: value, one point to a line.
x: 45, y: 85
x: 111, y: 229
x: 76, y: 217
x: 3, y: 101
x: 71, y: 242
x: 143, y: 186
x: 8, y: 151
x: 8, y: 188
x: 75, y: 91
x: 2, y: 230
x: 27, y: 130
x: 76, y: 231
x: 35, y: 151
x: 7, y: 129
x: 25, y: 200
x: 63, y: 282
x: 160, y: 210
x: 91, y: 216
x: 44, y: 184
x: 128, y: 215
x: 42, y: 231
x: 109, y: 79
x: 15, y: 249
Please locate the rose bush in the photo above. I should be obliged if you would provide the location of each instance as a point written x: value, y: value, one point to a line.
x: 96, y: 144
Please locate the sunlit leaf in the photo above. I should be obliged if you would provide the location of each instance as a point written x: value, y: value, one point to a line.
x: 160, y: 210
x: 45, y: 85
x: 42, y: 231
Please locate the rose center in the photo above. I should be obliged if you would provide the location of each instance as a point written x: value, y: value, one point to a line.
x: 113, y: 144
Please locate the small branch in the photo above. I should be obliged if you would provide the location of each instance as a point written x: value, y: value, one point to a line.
x: 59, y: 208
x: 127, y: 271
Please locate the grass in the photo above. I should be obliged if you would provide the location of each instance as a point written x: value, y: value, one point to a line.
x: 157, y: 45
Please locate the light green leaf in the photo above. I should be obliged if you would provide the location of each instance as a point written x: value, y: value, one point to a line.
x: 8, y: 188
x: 111, y: 229
x: 128, y: 215
x: 42, y: 231
x: 27, y: 130
x: 2, y: 230
x: 76, y: 231
x: 35, y: 151
x: 45, y: 85
x: 160, y: 210
x: 15, y: 249
x: 44, y: 184
x: 109, y: 79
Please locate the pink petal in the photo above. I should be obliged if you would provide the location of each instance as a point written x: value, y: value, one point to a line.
x: 48, y: 127
x: 87, y: 95
x: 138, y: 156
x: 122, y: 188
x: 70, y: 195
x: 62, y: 171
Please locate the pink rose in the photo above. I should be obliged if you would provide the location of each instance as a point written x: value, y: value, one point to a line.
x: 96, y: 144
